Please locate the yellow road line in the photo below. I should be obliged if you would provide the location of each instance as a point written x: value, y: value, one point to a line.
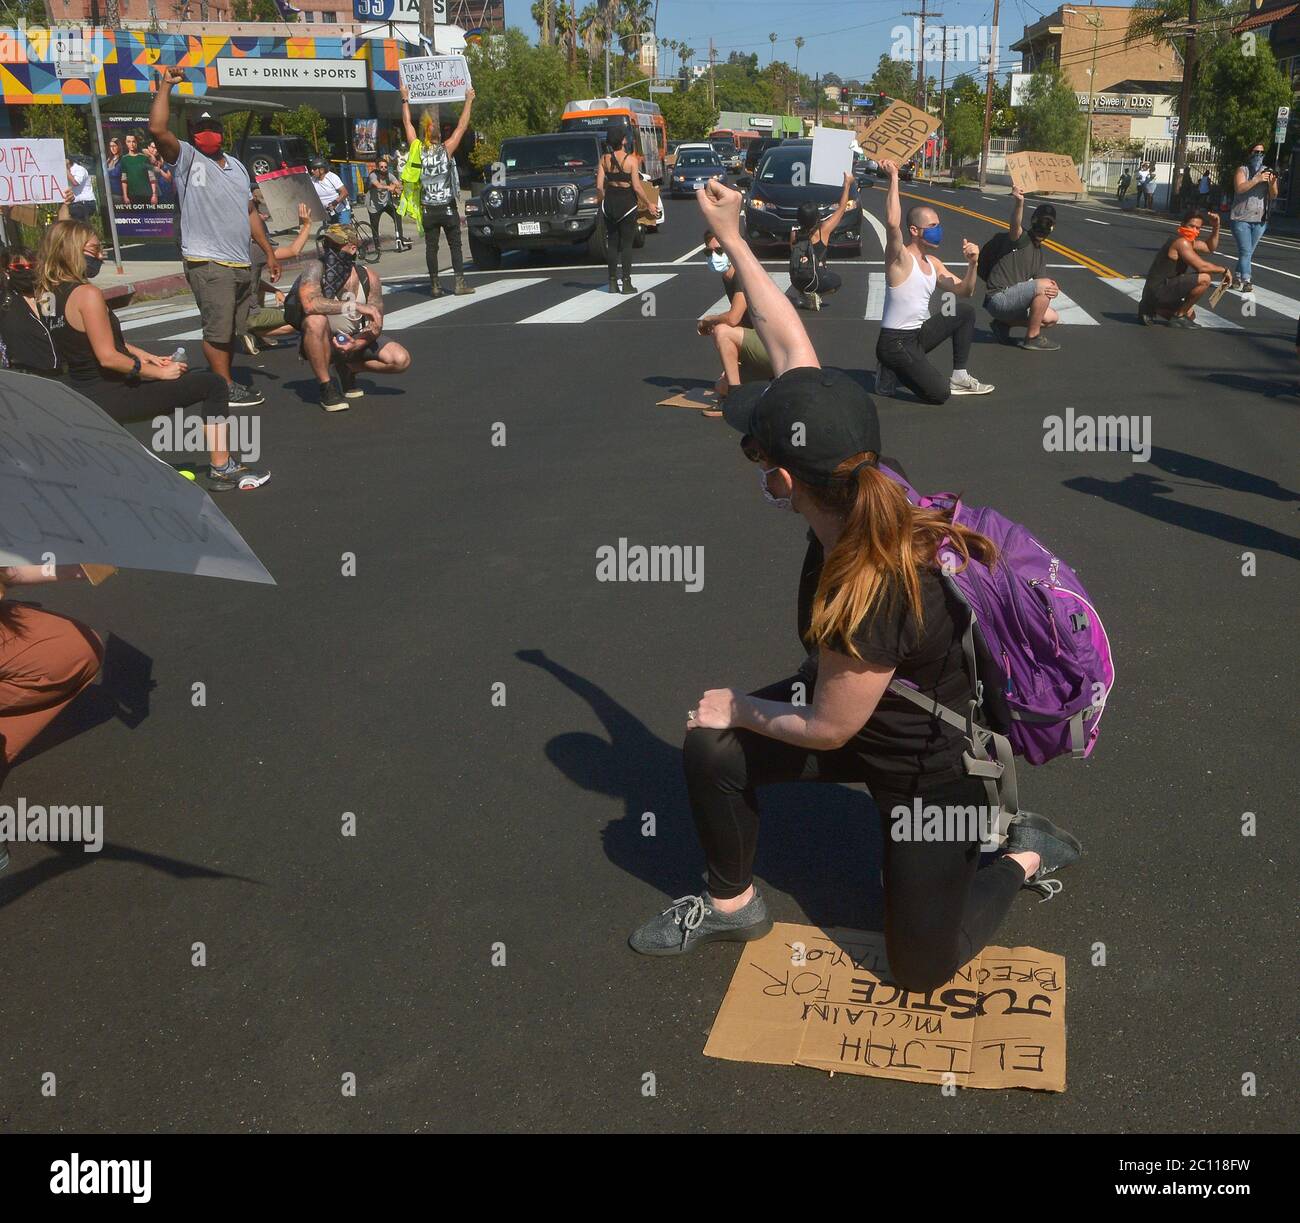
x: 1085, y: 260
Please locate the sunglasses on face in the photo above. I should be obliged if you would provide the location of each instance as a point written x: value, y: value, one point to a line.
x: 21, y: 265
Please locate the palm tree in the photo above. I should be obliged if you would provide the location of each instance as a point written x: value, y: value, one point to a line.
x: 591, y: 27
x: 772, y: 39
x: 687, y: 53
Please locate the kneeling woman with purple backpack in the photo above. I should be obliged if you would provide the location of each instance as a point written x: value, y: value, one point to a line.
x: 890, y: 637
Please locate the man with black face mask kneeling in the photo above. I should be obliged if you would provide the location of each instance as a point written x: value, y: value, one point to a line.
x: 1012, y: 266
x: 339, y: 308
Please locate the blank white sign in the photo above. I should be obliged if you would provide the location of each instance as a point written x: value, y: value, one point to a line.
x: 832, y: 155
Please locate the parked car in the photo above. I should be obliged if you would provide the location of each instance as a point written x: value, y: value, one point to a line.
x: 693, y: 170
x: 548, y: 199
x: 263, y: 154
x: 772, y: 201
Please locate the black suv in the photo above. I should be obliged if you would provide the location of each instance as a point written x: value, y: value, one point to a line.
x: 263, y: 154
x: 544, y: 196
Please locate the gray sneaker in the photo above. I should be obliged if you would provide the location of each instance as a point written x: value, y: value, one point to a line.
x: 968, y: 384
x: 1054, y: 846
x: 692, y: 920
x: 1040, y: 343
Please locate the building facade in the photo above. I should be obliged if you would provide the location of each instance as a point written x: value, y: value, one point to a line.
x: 1067, y: 38
x: 467, y: 14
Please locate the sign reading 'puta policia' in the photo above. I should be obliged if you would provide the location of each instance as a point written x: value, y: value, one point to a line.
x: 292, y: 73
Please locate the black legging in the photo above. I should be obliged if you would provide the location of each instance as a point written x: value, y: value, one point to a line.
x: 941, y: 907
x: 124, y: 401
x: 619, y: 236
x: 904, y: 351
x: 440, y: 221
x: 388, y: 208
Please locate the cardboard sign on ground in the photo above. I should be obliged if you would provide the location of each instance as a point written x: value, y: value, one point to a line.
x: 832, y: 156
x: 1044, y: 172
x: 698, y: 398
x: 897, y: 132
x: 804, y: 996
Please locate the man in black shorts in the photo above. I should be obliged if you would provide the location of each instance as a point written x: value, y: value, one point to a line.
x: 1179, y: 277
x: 339, y: 308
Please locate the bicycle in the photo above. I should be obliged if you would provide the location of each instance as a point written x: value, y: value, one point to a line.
x: 367, y: 243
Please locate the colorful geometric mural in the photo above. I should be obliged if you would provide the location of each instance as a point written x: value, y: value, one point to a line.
x: 128, y: 60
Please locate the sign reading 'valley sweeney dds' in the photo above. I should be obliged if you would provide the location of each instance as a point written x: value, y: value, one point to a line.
x: 293, y: 73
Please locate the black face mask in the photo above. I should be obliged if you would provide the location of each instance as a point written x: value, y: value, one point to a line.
x: 22, y: 280
x: 338, y: 268
x: 93, y: 265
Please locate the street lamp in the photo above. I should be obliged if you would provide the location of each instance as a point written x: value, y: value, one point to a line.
x: 1095, y: 22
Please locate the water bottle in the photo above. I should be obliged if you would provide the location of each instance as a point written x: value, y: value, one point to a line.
x: 179, y: 355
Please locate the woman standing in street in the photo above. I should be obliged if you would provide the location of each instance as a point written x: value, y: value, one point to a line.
x: 618, y: 185
x: 1256, y: 189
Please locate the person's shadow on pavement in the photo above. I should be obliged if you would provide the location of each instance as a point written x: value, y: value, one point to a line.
x: 820, y: 843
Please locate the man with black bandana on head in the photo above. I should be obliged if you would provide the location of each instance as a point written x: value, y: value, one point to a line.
x: 339, y: 308
x: 218, y: 216
x: 1012, y: 265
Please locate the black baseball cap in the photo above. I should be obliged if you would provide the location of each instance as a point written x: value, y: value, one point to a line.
x: 808, y: 420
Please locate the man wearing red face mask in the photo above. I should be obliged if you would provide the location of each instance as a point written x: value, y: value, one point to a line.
x: 1179, y: 277
x: 217, y: 218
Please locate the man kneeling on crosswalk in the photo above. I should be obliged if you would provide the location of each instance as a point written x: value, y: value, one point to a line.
x: 1012, y: 266
x: 339, y: 308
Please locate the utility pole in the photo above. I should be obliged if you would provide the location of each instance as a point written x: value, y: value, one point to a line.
x: 943, y: 101
x: 920, y: 50
x: 713, y: 101
x: 1184, y: 100
x: 988, y: 102
x: 817, y: 101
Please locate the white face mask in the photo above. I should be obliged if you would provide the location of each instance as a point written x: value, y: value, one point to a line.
x: 719, y: 261
x: 780, y: 503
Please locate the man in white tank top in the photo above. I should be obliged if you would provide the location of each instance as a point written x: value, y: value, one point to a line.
x: 907, y: 330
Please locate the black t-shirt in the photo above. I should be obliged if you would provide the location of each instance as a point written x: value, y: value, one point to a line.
x: 1023, y: 260
x: 901, y: 743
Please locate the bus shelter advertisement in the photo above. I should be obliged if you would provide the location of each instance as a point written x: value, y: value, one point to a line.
x: 142, y: 186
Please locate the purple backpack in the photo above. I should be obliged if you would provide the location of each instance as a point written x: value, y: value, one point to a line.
x: 1036, y: 651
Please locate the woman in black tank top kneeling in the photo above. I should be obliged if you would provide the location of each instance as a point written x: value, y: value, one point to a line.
x: 618, y: 181
x: 127, y: 382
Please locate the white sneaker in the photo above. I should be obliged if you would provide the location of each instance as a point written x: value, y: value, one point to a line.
x: 968, y: 385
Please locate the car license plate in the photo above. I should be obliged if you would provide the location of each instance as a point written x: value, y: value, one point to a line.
x: 529, y: 227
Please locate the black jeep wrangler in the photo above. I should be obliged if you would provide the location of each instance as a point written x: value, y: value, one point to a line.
x: 541, y: 193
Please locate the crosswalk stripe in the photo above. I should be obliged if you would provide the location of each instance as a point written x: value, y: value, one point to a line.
x: 875, y: 296
x: 197, y: 333
x: 399, y: 320
x: 1071, y: 312
x: 1287, y: 306
x: 721, y: 306
x: 1132, y: 286
x: 162, y: 316
x: 594, y: 302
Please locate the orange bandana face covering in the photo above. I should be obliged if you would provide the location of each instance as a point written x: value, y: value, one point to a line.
x: 1186, y: 231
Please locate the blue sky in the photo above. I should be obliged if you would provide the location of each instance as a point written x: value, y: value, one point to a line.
x: 847, y: 37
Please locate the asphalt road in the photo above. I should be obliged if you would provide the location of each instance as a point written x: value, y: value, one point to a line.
x: 518, y: 826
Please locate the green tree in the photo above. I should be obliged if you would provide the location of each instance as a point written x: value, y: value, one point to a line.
x: 66, y: 123
x: 895, y: 78
x: 255, y: 10
x: 1237, y: 100
x: 965, y: 127
x: 304, y: 122
x: 520, y: 90
x: 1049, y: 116
x: 687, y: 113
